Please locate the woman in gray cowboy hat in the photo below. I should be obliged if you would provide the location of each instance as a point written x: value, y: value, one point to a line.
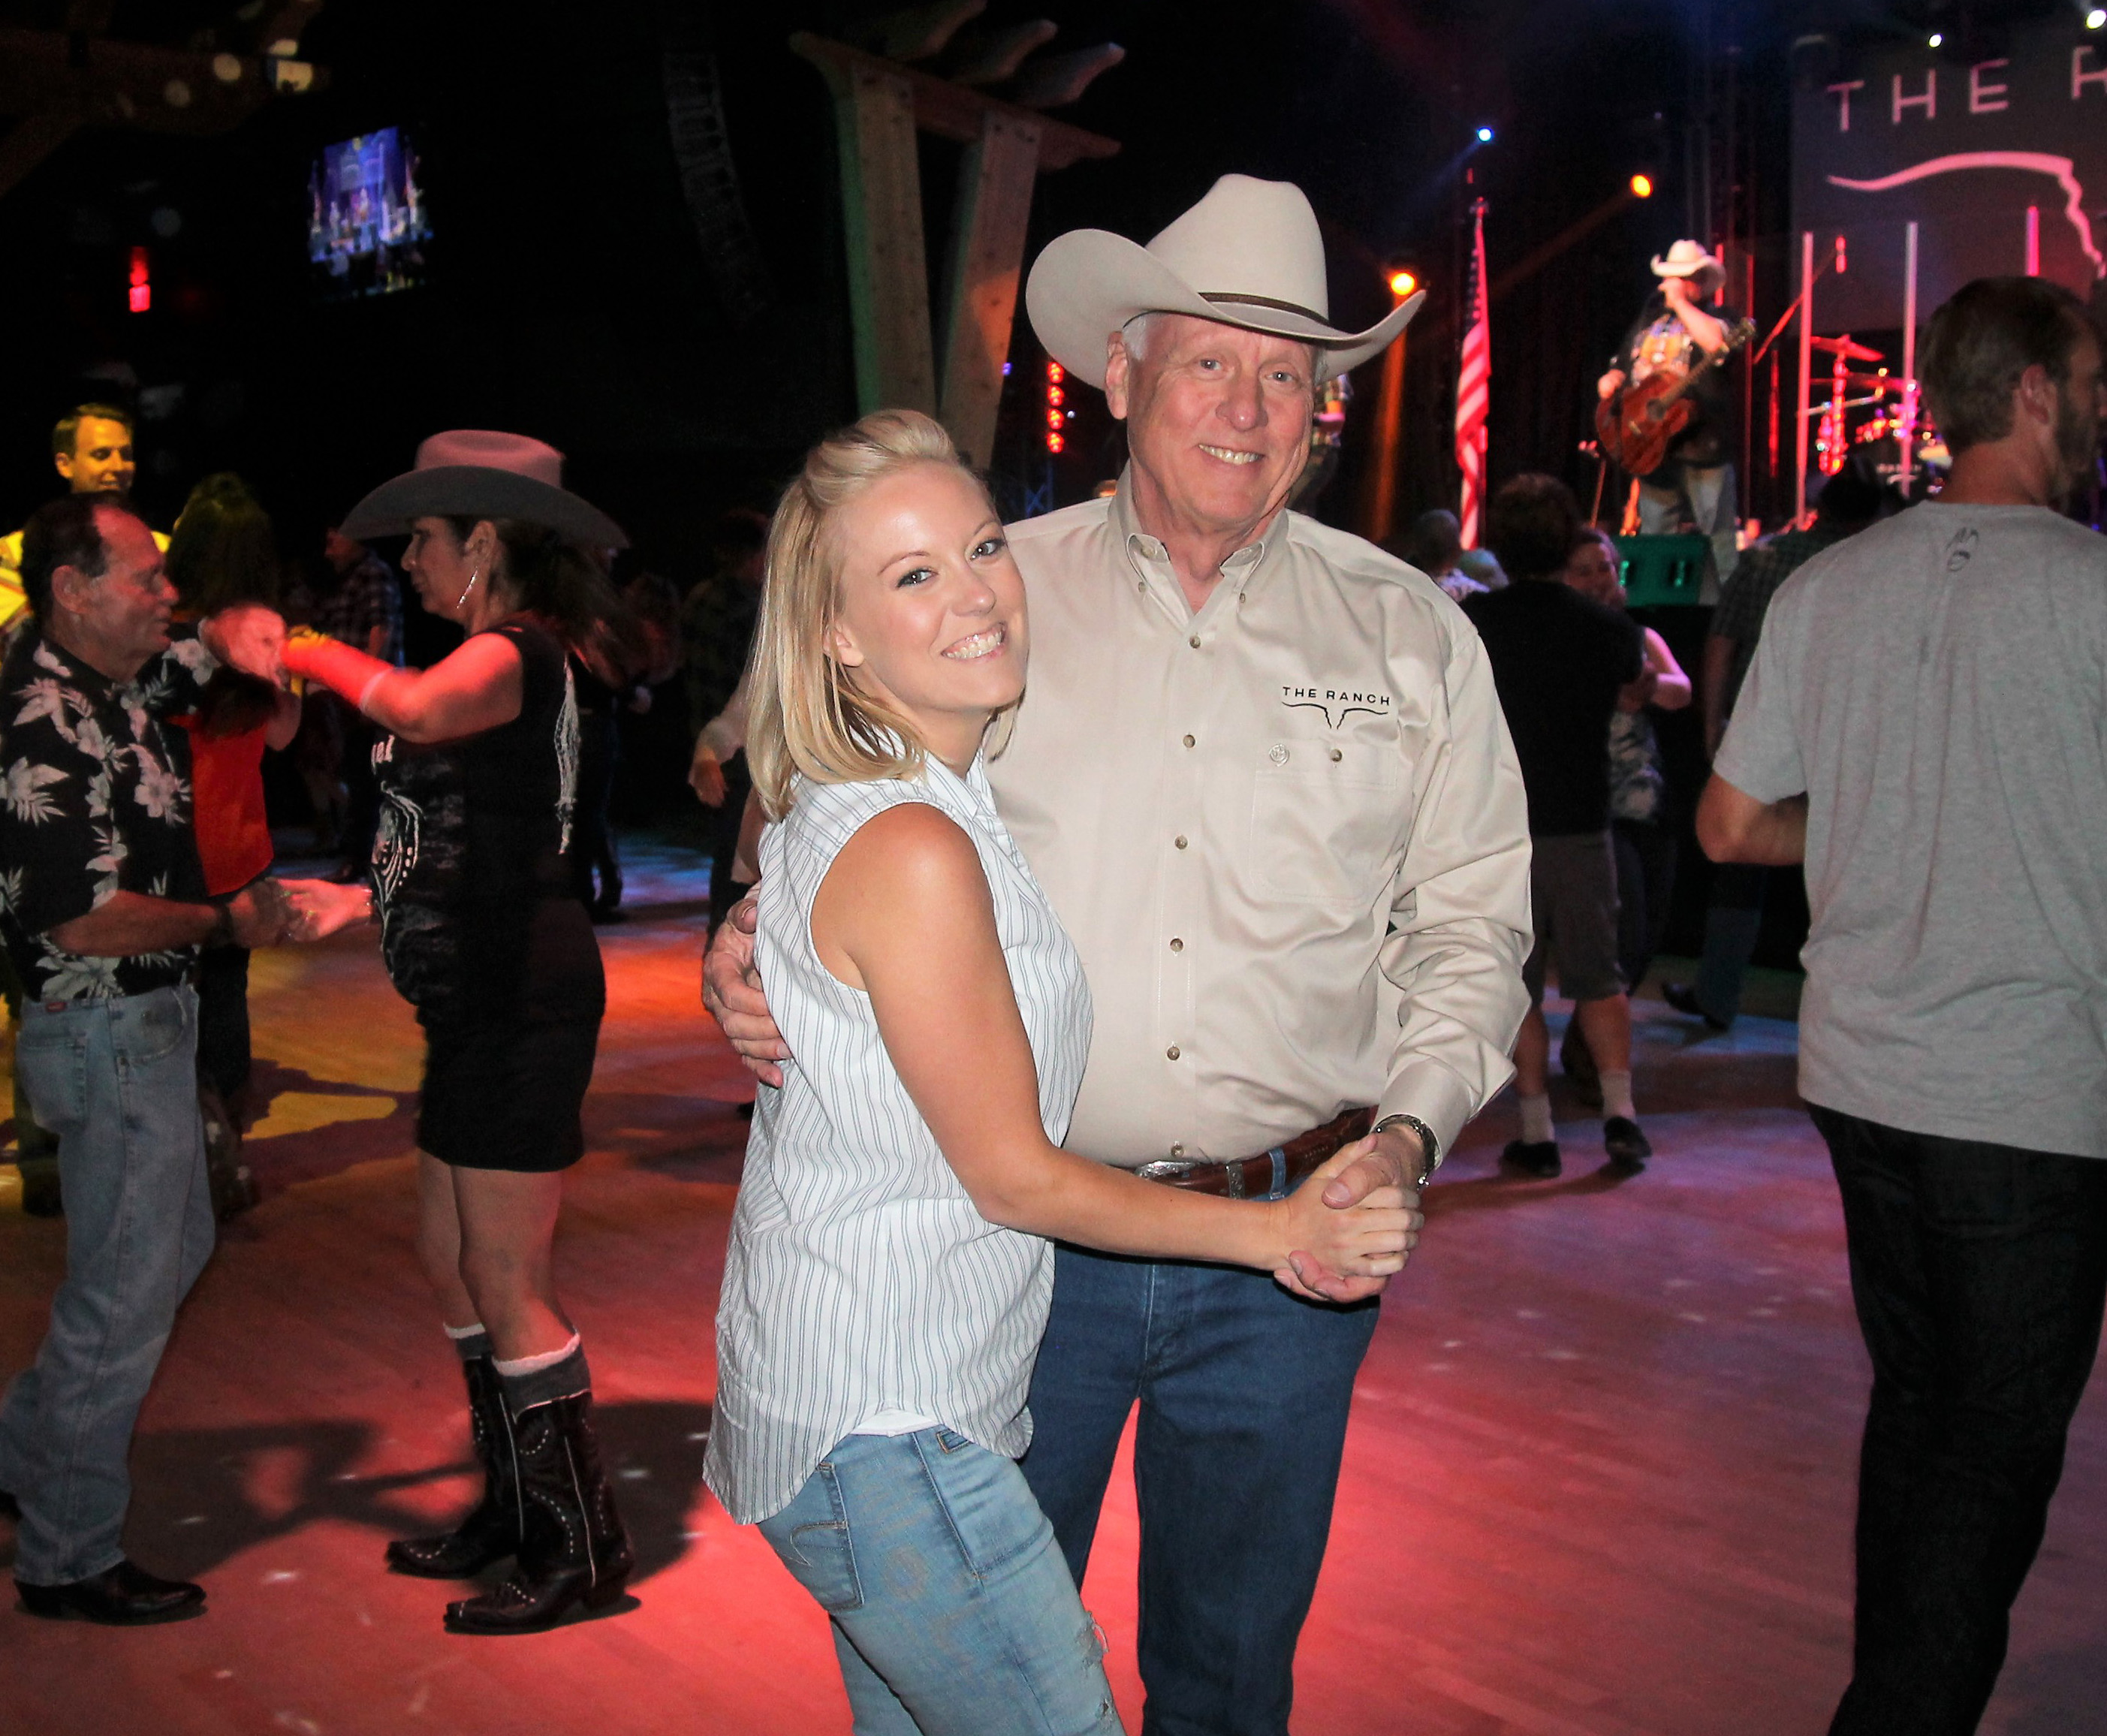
x: 481, y: 933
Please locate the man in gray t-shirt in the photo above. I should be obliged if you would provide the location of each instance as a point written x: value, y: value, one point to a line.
x: 1925, y: 727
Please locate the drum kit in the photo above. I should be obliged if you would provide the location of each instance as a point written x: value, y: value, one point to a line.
x: 1893, y: 434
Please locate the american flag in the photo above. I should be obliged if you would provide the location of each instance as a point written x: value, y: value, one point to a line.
x: 1474, y: 380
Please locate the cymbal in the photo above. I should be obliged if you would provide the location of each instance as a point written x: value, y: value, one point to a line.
x: 1845, y: 348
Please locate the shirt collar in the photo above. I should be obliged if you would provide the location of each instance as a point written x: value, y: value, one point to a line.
x: 1242, y: 572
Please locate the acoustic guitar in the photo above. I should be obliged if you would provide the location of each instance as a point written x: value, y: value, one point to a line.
x: 1637, y: 423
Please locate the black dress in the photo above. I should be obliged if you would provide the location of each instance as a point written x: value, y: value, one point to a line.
x: 479, y: 928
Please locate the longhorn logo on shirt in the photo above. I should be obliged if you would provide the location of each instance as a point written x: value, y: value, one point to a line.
x: 1337, y: 703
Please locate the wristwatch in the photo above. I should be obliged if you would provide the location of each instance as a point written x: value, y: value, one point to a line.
x: 1427, y: 1144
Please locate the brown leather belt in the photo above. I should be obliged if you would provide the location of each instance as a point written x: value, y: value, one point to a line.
x: 1274, y: 1171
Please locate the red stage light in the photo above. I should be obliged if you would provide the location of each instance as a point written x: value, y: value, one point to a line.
x: 1055, y: 373
x: 141, y: 285
x: 1054, y: 442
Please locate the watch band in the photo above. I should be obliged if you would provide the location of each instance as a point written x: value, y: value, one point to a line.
x: 1428, y: 1143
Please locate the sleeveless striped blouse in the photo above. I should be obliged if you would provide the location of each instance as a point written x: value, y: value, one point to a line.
x: 859, y: 1279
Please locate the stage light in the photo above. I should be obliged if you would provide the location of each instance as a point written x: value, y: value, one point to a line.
x: 1643, y: 186
x: 1484, y: 135
x: 141, y: 297
x: 2095, y: 18
x: 1402, y: 283
x: 1934, y: 40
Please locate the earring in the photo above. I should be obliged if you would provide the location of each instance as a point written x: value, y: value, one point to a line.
x: 462, y: 602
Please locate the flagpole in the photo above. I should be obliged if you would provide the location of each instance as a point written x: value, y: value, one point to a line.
x: 1474, y: 389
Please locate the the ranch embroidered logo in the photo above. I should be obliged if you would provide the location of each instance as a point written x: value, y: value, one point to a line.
x: 1338, y: 704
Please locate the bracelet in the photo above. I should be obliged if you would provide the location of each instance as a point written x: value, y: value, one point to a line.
x: 366, y: 692
x: 1429, y: 1145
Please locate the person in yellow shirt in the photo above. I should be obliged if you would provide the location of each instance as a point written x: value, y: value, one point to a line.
x: 91, y: 449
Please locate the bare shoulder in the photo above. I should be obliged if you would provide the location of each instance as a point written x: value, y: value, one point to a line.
x: 906, y: 891
x: 913, y: 850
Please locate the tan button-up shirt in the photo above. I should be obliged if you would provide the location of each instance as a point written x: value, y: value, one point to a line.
x: 1287, y: 834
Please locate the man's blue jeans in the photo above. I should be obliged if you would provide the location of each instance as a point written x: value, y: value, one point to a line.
x: 117, y: 1081
x: 1980, y: 1272
x: 1244, y: 1391
x: 954, y: 1614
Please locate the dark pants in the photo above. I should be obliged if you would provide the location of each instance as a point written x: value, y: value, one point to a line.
x: 592, y: 840
x: 1732, y: 920
x: 1646, y: 879
x: 224, y: 1055
x: 1980, y: 1273
x: 1244, y: 1392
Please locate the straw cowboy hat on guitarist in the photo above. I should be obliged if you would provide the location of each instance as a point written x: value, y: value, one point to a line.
x: 1692, y: 487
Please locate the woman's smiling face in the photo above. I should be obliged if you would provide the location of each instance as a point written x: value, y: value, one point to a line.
x: 929, y: 604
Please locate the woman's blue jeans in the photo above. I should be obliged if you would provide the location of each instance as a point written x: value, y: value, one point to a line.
x: 954, y: 1612
x: 117, y: 1081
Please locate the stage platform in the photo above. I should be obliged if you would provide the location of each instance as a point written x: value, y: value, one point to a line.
x: 1599, y: 1481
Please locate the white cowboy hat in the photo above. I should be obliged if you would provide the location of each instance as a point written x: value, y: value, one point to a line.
x: 1688, y: 260
x: 481, y: 472
x: 1248, y: 254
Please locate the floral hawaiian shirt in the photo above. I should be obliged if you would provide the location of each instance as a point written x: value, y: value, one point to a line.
x: 95, y: 798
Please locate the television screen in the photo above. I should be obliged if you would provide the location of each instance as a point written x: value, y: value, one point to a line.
x: 367, y: 223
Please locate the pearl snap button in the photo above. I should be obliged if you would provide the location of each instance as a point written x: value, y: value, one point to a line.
x: 1172, y: 1052
x: 1277, y: 753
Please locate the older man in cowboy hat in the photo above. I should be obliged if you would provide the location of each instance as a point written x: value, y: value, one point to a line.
x: 1694, y: 489
x: 1263, y: 775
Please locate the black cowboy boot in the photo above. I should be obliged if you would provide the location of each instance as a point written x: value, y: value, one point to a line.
x: 574, y: 1550
x: 492, y: 1530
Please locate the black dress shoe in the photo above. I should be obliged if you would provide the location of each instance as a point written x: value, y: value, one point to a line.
x: 1537, y: 1158
x: 1683, y: 998
x: 124, y: 1596
x: 1628, y: 1147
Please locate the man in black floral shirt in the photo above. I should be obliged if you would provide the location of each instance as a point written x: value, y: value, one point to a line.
x: 103, y: 909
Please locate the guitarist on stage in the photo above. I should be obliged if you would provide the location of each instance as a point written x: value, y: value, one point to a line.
x: 1693, y: 490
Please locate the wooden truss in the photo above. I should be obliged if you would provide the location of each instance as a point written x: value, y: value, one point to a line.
x: 880, y: 106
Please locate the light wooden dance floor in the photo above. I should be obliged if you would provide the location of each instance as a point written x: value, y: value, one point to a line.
x: 1599, y: 1479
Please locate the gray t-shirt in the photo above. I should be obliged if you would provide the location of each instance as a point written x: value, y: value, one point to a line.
x: 1934, y: 685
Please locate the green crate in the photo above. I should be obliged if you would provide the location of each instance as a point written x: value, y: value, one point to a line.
x: 1661, y: 570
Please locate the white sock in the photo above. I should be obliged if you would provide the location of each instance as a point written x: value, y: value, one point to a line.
x: 512, y: 1369
x: 1617, y: 1095
x: 1535, y: 1120
x: 458, y: 1333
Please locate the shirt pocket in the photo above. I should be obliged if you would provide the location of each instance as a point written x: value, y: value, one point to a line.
x: 1326, y: 814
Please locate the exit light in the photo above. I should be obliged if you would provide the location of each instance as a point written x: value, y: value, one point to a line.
x: 141, y: 283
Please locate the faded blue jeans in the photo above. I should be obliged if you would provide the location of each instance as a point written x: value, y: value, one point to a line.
x: 954, y: 1612
x: 117, y: 1081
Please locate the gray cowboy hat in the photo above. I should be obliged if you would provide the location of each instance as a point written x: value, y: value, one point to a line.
x: 478, y: 472
x: 1248, y: 254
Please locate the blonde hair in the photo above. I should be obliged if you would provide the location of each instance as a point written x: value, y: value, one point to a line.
x: 807, y: 717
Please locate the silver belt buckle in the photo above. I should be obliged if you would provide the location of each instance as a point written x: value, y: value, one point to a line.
x: 1166, y: 1169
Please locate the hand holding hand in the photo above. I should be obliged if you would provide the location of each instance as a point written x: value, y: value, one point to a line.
x: 1371, y: 1171
x: 250, y: 638
x: 1351, y: 1226
x: 731, y: 991
x: 320, y: 908
x: 259, y: 915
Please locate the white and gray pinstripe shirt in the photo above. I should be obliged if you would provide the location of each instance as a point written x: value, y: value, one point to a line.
x: 860, y: 1278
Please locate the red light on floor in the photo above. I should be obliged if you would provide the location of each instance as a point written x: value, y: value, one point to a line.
x: 142, y: 296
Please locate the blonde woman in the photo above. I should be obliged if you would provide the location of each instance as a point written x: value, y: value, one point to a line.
x: 890, y: 1267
